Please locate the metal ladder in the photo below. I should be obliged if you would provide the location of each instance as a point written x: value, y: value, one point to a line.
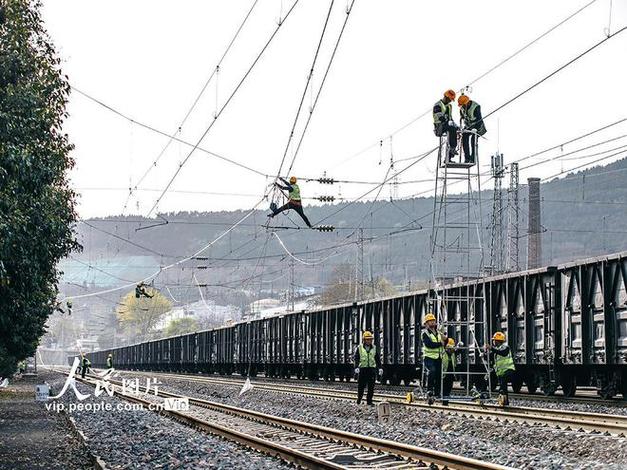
x: 457, y: 257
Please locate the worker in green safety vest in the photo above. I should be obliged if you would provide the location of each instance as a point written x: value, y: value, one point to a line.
x: 432, y: 351
x: 367, y: 362
x: 443, y: 122
x: 472, y: 121
x: 504, y: 368
x: 449, y: 365
x: 294, y: 200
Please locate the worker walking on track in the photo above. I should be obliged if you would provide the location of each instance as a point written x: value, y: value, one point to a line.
x: 85, y: 364
x: 432, y: 351
x: 367, y: 363
x: 472, y: 121
x: 449, y: 364
x: 443, y: 122
x: 110, y: 361
x: 501, y: 355
x: 294, y: 200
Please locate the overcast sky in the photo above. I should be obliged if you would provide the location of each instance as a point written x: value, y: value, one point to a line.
x: 149, y: 60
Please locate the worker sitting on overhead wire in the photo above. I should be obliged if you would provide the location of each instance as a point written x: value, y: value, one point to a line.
x: 140, y: 291
x: 443, y: 122
x: 294, y: 200
x: 473, y: 121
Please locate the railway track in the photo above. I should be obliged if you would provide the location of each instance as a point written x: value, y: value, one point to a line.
x: 590, y: 397
x: 303, y: 444
x: 563, y: 419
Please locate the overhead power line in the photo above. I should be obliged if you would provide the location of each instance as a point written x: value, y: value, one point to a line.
x: 193, y: 106
x: 222, y: 108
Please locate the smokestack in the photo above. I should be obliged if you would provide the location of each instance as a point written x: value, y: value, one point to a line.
x: 534, y: 247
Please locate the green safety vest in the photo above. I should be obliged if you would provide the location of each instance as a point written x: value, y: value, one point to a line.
x: 445, y: 359
x: 468, y: 113
x: 366, y: 358
x: 294, y: 193
x: 446, y: 111
x: 503, y: 363
x: 433, y: 353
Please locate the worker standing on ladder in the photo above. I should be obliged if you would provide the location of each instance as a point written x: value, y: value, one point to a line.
x: 472, y: 121
x: 443, y: 122
x: 367, y: 361
x: 294, y: 200
x: 432, y: 350
x: 449, y: 364
x: 501, y: 355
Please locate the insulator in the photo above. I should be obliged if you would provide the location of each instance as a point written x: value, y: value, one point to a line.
x: 326, y: 180
x: 326, y: 198
x: 325, y: 228
x: 200, y: 258
x: 201, y: 267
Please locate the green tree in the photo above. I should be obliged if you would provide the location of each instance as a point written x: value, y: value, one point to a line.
x: 139, y: 316
x: 37, y: 207
x: 181, y: 326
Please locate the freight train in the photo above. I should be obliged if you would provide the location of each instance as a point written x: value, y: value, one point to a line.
x: 566, y: 326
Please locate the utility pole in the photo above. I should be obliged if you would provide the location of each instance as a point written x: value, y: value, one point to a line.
x: 359, y: 267
x: 534, y: 247
x: 513, y: 220
x: 290, y: 290
x: 496, y: 239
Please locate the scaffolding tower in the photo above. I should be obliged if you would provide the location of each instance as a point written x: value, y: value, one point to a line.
x: 457, y: 256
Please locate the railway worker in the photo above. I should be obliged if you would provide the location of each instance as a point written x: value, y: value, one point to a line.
x: 432, y: 351
x: 449, y: 363
x: 367, y: 361
x: 471, y: 116
x: 110, y: 361
x: 443, y: 121
x: 501, y: 355
x: 85, y: 364
x: 294, y: 200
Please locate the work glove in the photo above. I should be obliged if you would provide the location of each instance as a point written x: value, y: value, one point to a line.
x: 357, y: 370
x: 380, y: 372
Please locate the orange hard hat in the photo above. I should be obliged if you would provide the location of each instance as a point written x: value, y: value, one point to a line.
x: 450, y: 94
x: 498, y: 336
x: 463, y: 100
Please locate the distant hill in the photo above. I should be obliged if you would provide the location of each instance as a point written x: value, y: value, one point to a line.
x: 583, y: 214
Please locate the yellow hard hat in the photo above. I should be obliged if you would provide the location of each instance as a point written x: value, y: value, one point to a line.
x: 463, y: 100
x: 292, y: 179
x: 450, y: 342
x: 430, y: 316
x: 368, y: 335
x: 498, y: 336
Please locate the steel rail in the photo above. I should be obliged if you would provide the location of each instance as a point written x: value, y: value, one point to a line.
x: 413, y: 454
x: 563, y: 419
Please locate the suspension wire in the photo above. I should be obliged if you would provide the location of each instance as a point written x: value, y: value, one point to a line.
x: 324, y: 78
x: 222, y: 108
x: 193, y: 106
x: 492, y: 69
x: 622, y: 152
x: 176, y: 263
x: 126, y: 240
x: 556, y: 71
x: 165, y: 134
x: 304, y: 94
x: 301, y: 261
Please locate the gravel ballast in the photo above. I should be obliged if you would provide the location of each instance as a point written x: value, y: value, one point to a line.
x: 142, y: 439
x: 512, y: 444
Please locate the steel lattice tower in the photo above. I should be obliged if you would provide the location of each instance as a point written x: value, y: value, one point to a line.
x: 497, y: 261
x: 513, y: 221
